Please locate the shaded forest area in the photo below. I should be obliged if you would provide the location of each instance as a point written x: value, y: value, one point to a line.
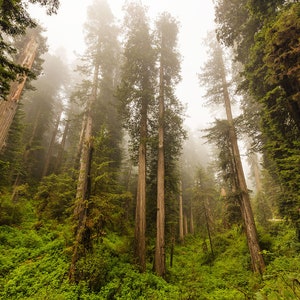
x: 104, y: 194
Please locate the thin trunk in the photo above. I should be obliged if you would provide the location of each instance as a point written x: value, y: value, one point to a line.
x: 140, y: 215
x: 181, y: 233
x: 208, y: 228
x: 192, y: 229
x: 62, y: 147
x: 257, y: 261
x: 51, y: 146
x: 256, y: 171
x: 185, y: 224
x: 8, y: 108
x: 173, y: 231
x: 160, y: 266
x: 81, y: 243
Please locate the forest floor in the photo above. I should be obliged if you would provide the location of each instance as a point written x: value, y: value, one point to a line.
x: 34, y: 262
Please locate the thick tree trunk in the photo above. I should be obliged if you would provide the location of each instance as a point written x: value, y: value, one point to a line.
x: 140, y: 215
x: 8, y: 108
x: 181, y: 232
x: 160, y: 266
x: 81, y: 243
x: 81, y: 141
x: 257, y: 261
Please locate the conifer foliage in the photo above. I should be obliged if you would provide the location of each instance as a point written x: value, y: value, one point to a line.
x: 101, y: 197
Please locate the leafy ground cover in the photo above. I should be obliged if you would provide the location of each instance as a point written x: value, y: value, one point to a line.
x: 34, y: 264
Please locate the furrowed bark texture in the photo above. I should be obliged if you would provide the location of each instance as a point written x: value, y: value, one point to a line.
x: 160, y: 266
x: 257, y: 261
x: 9, y: 107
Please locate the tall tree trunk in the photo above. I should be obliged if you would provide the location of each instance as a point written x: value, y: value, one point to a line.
x: 160, y: 266
x: 81, y: 141
x: 60, y: 154
x: 83, y: 185
x: 185, y: 224
x: 140, y: 213
x: 208, y: 227
x: 8, y: 108
x: 181, y: 232
x: 256, y: 171
x: 192, y: 229
x: 51, y: 146
x: 257, y: 261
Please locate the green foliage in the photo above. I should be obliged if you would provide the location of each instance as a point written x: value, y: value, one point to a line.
x: 136, y: 90
x: 54, y: 197
x: 10, y: 213
x: 266, y: 43
x: 281, y: 110
x: 14, y: 20
x: 34, y: 265
x: 129, y: 284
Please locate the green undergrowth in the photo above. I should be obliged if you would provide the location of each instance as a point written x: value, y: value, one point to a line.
x: 34, y: 263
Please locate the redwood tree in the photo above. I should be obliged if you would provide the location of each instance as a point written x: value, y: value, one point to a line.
x: 169, y: 67
x: 136, y: 94
x: 219, y: 91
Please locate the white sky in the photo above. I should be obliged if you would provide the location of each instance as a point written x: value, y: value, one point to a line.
x: 195, y: 17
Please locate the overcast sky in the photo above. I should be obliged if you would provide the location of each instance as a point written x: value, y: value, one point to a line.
x: 195, y: 17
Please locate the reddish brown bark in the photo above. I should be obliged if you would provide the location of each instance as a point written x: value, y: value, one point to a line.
x: 160, y: 265
x: 140, y: 215
x: 8, y: 108
x: 257, y: 261
x: 82, y: 194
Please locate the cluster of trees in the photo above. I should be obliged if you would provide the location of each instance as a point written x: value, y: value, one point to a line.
x: 73, y: 129
x: 103, y: 149
x: 264, y: 38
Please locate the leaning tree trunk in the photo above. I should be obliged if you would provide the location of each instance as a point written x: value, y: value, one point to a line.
x: 81, y: 242
x: 140, y: 213
x: 159, y: 261
x: 9, y: 107
x: 257, y: 261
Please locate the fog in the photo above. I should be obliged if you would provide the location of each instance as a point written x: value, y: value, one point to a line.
x: 196, y: 18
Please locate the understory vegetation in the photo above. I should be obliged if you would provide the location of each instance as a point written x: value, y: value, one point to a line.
x: 35, y: 256
x: 105, y: 193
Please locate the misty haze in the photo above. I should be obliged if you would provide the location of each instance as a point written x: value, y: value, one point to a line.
x: 149, y: 149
